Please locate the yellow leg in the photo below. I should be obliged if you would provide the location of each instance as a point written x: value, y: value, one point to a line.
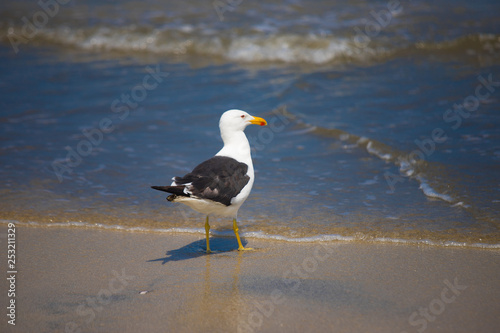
x: 240, y: 246
x: 207, y: 232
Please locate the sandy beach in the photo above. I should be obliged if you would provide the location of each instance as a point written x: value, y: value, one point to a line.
x: 91, y: 280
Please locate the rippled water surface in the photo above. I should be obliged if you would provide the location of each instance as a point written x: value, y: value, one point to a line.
x: 384, y: 120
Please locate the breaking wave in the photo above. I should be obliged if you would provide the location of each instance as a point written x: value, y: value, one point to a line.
x: 245, y: 47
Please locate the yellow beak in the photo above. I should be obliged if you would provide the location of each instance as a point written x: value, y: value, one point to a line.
x: 258, y: 121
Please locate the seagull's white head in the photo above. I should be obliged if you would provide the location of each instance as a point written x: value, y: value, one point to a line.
x: 232, y: 125
x: 237, y: 120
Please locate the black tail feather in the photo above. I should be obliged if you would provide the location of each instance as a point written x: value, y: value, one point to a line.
x: 178, y: 190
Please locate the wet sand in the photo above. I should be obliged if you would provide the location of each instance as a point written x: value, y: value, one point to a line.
x: 90, y: 280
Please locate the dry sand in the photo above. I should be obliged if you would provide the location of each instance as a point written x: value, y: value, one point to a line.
x: 89, y: 280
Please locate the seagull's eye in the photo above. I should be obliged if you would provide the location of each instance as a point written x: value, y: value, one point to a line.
x: 242, y: 116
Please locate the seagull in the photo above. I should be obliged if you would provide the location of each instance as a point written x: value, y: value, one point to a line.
x: 221, y: 184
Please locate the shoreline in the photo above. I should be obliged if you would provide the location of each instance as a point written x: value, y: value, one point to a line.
x: 83, y: 280
x: 258, y: 235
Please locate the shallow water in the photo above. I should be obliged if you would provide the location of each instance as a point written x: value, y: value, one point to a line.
x: 382, y: 125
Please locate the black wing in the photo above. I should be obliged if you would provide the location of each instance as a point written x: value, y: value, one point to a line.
x: 218, y: 179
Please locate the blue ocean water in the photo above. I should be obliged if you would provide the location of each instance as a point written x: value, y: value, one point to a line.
x: 384, y: 120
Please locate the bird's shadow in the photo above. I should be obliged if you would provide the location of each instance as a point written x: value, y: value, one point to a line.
x: 199, y: 248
